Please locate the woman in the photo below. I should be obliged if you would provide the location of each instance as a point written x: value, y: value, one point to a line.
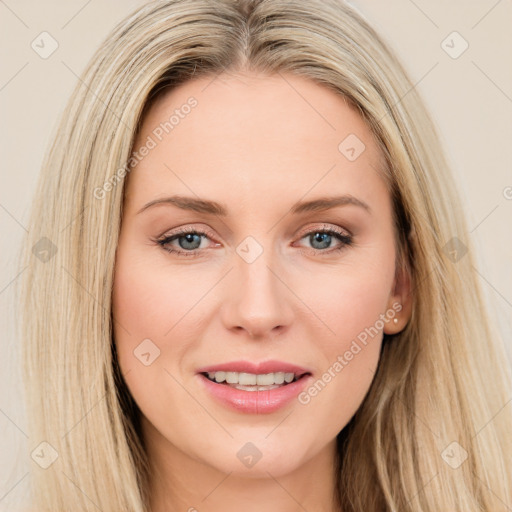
x: 256, y: 290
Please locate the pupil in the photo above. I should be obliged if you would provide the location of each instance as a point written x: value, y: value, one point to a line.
x: 189, y: 240
x: 321, y: 237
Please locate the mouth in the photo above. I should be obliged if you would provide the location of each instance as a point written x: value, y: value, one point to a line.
x: 252, y: 381
x: 254, y: 388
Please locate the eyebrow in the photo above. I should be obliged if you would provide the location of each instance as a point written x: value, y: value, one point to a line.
x: 215, y: 208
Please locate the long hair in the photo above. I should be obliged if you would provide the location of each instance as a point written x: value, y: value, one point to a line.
x: 431, y: 435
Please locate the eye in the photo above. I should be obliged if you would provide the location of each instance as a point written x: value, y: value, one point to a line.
x: 321, y: 239
x: 188, y: 239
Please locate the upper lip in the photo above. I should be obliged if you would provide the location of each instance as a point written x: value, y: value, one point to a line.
x: 256, y: 368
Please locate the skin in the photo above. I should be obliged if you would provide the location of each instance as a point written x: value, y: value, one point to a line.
x: 257, y: 144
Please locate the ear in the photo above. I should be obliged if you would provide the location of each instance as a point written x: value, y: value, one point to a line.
x: 400, y: 301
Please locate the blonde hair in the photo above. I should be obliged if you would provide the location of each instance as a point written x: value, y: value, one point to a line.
x: 433, y: 384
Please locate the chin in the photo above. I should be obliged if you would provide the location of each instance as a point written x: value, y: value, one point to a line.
x: 254, y: 460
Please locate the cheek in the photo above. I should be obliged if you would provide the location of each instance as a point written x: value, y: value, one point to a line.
x: 353, y: 309
x: 350, y: 303
x: 146, y: 308
x: 147, y: 299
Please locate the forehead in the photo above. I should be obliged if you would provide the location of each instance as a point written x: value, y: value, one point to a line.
x: 251, y: 134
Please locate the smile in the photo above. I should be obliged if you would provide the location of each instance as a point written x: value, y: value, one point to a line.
x: 255, y: 388
x: 252, y: 381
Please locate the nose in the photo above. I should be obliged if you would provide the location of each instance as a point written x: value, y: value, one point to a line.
x: 257, y: 299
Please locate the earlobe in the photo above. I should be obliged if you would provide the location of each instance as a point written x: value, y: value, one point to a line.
x: 399, y: 306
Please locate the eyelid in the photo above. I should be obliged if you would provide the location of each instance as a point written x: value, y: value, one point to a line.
x: 210, y: 234
x: 185, y: 230
x: 324, y: 227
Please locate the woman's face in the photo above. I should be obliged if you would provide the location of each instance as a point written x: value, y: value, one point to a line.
x: 265, y: 281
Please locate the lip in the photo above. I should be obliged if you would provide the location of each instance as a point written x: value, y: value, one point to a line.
x: 272, y: 366
x: 255, y: 402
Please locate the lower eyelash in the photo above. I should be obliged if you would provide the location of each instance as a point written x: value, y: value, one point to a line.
x: 345, y: 240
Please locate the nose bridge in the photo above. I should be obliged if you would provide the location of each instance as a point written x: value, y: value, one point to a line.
x: 258, y: 300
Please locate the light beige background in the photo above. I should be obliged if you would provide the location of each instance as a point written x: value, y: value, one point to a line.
x: 470, y: 97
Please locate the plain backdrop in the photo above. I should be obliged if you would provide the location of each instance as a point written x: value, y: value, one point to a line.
x: 470, y: 98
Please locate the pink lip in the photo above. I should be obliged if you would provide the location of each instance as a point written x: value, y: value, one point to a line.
x: 255, y: 402
x: 257, y: 368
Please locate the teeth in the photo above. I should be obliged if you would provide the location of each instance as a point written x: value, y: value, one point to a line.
x: 251, y: 379
x: 220, y: 376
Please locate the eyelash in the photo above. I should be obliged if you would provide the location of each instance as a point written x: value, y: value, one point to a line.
x: 346, y: 240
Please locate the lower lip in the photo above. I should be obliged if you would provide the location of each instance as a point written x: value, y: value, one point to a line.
x: 255, y: 402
